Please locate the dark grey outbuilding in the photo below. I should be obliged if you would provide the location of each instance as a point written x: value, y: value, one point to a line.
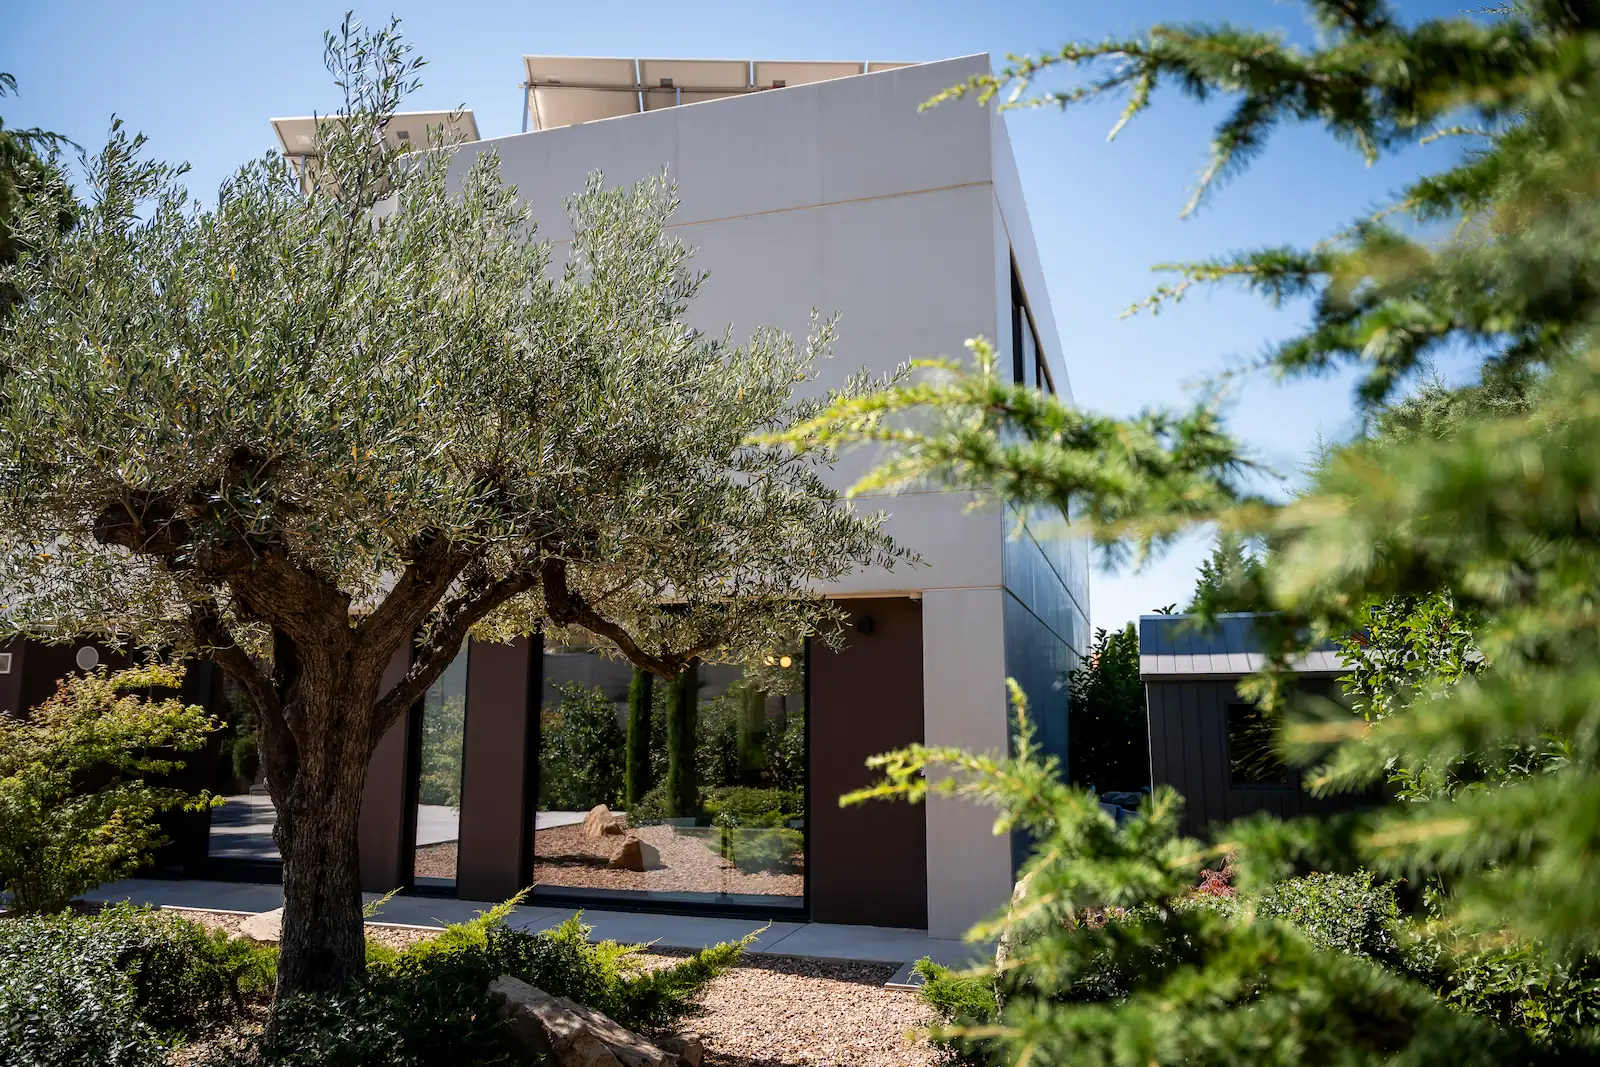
x: 1205, y: 736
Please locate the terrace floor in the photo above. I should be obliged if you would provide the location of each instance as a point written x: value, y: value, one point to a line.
x: 807, y: 940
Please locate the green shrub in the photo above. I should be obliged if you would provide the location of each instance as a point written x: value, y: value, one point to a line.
x: 746, y: 801
x: 960, y: 999
x: 443, y: 735
x: 581, y: 749
x: 760, y: 849
x: 716, y: 730
x: 754, y: 823
x: 652, y: 808
x: 59, y: 838
x: 1348, y: 912
x: 786, y: 754
x: 429, y: 1004
x: 1513, y: 984
x: 115, y: 988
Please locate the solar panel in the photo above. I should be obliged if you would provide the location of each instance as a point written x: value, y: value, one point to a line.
x: 567, y: 90
x: 770, y: 74
x: 670, y: 82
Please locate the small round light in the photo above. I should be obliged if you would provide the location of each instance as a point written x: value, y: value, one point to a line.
x: 88, y: 658
x: 785, y: 661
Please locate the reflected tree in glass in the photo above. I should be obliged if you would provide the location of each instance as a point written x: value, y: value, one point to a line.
x: 443, y: 738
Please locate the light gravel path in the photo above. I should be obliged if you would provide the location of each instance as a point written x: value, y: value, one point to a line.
x: 782, y: 1011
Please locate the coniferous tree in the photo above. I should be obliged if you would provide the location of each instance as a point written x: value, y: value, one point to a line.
x: 683, y: 706
x: 640, y: 704
x: 1108, y: 737
x: 1227, y: 578
x: 1489, y: 500
x: 751, y: 736
x: 30, y: 181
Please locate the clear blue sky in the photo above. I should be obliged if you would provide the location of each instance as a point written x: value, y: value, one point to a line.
x: 201, y: 79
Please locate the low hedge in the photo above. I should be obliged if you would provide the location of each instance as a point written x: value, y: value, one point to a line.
x: 117, y: 988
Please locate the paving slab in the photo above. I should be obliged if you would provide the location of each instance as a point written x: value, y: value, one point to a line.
x: 783, y: 938
x: 668, y: 931
x: 209, y: 896
x: 877, y: 944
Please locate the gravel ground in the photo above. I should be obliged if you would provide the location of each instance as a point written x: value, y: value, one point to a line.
x: 395, y: 937
x: 782, y: 1011
x: 565, y: 856
x: 436, y: 861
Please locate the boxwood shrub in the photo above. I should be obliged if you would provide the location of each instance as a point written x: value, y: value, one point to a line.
x: 118, y: 987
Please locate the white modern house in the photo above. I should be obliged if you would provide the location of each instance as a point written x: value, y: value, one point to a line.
x: 802, y: 185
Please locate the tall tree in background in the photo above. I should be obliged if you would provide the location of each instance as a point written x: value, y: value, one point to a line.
x: 1228, y: 578
x: 1108, y: 734
x: 30, y: 181
x: 295, y: 438
x: 683, y: 713
x: 641, y: 702
x: 1499, y: 512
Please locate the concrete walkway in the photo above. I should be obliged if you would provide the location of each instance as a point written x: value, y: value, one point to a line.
x: 826, y: 941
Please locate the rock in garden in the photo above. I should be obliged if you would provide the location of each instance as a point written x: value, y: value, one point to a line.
x: 632, y: 854
x: 687, y: 1047
x: 1008, y: 941
x: 265, y: 926
x: 600, y: 822
x: 567, y: 1034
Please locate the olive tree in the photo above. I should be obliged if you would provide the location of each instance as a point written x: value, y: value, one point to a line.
x: 296, y: 433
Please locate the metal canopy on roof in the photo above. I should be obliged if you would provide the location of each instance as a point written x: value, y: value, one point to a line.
x: 1176, y: 646
x: 567, y: 90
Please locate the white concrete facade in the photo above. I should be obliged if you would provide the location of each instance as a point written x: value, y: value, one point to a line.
x: 840, y: 196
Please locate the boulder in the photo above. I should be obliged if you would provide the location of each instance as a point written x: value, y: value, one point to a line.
x: 1008, y: 946
x: 564, y: 1033
x: 687, y: 1047
x: 600, y: 822
x: 633, y: 854
x: 266, y: 926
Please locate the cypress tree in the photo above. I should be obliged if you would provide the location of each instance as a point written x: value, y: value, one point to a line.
x: 683, y: 791
x: 752, y: 726
x: 637, y: 775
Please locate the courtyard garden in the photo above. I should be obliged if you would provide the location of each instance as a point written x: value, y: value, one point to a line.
x: 317, y: 433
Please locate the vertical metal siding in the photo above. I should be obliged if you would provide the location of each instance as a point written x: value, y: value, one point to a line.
x: 1189, y: 751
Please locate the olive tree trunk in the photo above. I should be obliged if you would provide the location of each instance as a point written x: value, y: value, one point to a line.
x: 316, y: 757
x: 322, y: 946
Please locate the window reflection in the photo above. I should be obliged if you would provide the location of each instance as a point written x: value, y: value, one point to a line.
x: 707, y: 804
x: 443, y: 736
x: 241, y: 828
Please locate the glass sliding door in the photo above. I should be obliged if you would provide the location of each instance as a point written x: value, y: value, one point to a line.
x: 703, y: 781
x: 241, y: 828
x: 442, y: 736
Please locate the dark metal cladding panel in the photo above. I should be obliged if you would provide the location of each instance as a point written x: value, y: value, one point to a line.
x: 491, y: 856
x: 868, y: 864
